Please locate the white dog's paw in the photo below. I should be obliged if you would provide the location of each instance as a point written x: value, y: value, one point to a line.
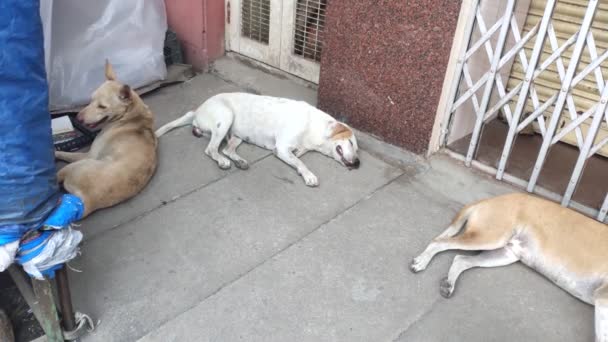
x: 310, y: 179
x: 417, y: 265
x: 241, y: 164
x: 224, y: 164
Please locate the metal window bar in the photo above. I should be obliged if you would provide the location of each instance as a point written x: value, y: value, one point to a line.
x: 468, y: 6
x: 517, y: 88
x: 255, y: 20
x: 524, y: 63
x: 522, y: 184
x: 523, y: 94
x: 574, y: 124
x: 563, y: 95
x: 485, y: 100
x: 587, y: 146
x: 599, y: 146
x: 599, y: 78
x: 576, y: 121
x: 603, y: 211
x: 562, y: 74
x: 489, y: 52
x: 562, y: 101
x: 517, y: 49
x: 485, y: 36
x: 309, y: 26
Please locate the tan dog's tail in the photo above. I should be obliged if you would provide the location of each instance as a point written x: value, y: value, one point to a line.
x: 183, y: 121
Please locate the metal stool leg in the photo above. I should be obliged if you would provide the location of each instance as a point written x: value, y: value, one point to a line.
x: 65, y: 299
x: 39, y: 296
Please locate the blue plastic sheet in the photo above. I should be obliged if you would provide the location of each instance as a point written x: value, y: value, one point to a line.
x: 70, y: 209
x: 28, y: 187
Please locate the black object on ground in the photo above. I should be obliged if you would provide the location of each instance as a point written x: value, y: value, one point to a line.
x: 25, y: 325
x: 72, y: 141
x: 172, y: 49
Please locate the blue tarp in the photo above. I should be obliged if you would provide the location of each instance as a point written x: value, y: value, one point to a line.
x: 28, y: 187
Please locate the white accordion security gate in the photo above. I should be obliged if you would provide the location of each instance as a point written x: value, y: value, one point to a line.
x: 489, y: 96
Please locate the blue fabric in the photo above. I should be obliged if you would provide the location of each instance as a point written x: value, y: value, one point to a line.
x: 26, y: 247
x: 69, y: 210
x: 50, y: 273
x: 27, y: 255
x: 28, y: 187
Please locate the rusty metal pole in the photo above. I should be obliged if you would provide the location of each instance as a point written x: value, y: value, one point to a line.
x: 65, y: 299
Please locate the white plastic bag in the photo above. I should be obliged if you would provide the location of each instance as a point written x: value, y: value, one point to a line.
x: 84, y: 33
x: 7, y: 254
x: 61, y: 247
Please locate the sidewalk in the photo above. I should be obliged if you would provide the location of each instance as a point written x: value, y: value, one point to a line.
x: 204, y: 254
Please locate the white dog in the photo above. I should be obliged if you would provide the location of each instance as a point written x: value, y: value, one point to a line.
x: 289, y: 128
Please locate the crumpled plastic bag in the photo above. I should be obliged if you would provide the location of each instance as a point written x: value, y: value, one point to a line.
x: 44, y: 251
x: 84, y: 33
x: 7, y: 254
x: 47, y: 252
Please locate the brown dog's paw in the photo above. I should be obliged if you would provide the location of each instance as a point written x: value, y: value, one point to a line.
x: 446, y: 288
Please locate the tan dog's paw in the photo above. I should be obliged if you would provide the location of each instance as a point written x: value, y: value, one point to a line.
x: 446, y: 288
x: 417, y: 265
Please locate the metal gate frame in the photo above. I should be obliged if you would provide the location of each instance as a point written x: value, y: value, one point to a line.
x: 464, y: 47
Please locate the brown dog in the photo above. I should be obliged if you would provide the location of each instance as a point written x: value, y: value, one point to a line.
x: 567, y: 247
x: 122, y: 159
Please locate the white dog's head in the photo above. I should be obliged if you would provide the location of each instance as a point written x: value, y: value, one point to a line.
x: 343, y: 145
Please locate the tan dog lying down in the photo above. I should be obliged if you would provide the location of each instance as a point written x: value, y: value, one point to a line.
x: 122, y: 158
x: 567, y: 247
x: 288, y: 128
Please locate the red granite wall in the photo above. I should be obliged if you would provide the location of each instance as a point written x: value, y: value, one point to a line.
x: 383, y: 65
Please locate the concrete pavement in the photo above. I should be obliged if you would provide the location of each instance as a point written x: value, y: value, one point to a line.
x: 210, y: 255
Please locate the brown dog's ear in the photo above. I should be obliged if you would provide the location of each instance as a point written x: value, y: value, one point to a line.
x: 125, y: 93
x: 110, y: 75
x: 340, y: 131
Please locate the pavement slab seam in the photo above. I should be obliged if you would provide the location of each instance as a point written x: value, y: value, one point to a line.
x: 282, y: 250
x: 172, y: 200
x: 402, y: 332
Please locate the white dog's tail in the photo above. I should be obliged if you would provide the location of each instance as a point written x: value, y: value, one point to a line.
x: 183, y: 121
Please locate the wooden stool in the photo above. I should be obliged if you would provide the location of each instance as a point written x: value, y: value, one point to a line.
x: 39, y: 296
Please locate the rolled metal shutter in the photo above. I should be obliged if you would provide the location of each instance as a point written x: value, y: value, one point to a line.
x: 567, y: 19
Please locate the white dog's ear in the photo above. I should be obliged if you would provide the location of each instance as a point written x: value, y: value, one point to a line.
x: 337, y: 130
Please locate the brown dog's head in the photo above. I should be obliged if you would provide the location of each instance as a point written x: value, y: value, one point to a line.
x: 110, y: 102
x: 343, y: 145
